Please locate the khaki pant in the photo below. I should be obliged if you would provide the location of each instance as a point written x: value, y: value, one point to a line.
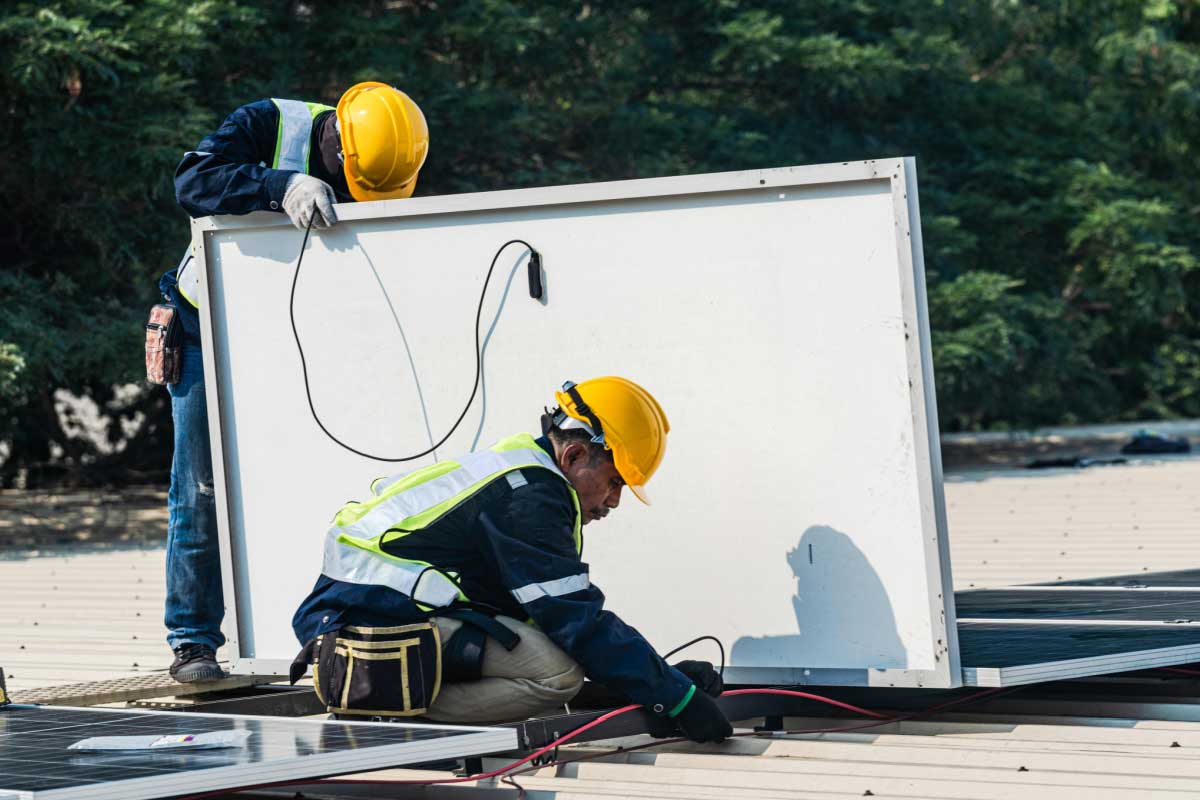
x: 535, y: 679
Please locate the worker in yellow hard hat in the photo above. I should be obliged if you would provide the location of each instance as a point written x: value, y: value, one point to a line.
x: 384, y: 141
x: 462, y: 586
x: 271, y: 155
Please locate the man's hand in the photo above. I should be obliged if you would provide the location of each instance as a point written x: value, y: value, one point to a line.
x: 703, y: 675
x: 702, y: 721
x: 308, y: 198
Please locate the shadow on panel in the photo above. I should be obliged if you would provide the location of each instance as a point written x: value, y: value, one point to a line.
x: 843, y: 614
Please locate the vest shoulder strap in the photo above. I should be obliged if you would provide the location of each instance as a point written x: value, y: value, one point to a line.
x: 293, y: 135
x: 417, y: 498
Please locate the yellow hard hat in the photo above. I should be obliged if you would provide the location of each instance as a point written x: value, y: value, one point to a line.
x: 384, y: 141
x: 626, y: 419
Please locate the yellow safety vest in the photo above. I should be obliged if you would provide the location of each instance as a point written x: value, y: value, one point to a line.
x: 410, y: 502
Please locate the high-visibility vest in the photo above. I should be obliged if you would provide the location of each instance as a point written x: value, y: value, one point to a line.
x: 410, y: 502
x: 293, y: 139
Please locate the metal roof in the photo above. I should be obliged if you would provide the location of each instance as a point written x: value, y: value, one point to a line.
x: 78, y: 614
x: 83, y: 612
x: 988, y: 760
x: 1026, y: 526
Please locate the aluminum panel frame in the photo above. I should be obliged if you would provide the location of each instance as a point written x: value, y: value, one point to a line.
x: 901, y: 175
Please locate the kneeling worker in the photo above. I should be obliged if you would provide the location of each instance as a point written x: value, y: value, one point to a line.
x: 419, y: 605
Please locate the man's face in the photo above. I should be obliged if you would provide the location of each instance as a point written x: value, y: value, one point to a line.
x: 597, y: 482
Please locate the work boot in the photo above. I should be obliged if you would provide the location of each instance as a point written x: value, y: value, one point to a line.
x: 195, y: 662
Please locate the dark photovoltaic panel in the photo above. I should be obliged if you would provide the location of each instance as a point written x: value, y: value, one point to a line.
x: 1098, y: 605
x: 1182, y: 578
x: 35, y: 762
x: 1009, y: 645
x: 1076, y: 628
x: 1014, y: 653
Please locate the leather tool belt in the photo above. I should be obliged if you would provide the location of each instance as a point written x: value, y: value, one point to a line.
x: 385, y: 672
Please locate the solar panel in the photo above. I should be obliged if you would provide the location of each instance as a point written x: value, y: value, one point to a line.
x: 1072, y: 629
x: 1015, y: 653
x: 1182, y: 578
x: 35, y: 763
x: 1092, y: 605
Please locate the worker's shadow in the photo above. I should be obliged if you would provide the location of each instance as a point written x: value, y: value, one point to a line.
x: 844, y: 617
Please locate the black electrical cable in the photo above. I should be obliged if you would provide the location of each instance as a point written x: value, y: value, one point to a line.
x: 697, y: 640
x: 478, y: 356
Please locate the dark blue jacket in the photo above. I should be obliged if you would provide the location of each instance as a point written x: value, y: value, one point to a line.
x: 497, y: 541
x: 227, y: 172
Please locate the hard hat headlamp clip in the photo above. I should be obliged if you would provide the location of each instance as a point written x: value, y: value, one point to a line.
x: 558, y: 418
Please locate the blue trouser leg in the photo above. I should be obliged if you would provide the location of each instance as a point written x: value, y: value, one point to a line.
x: 195, y: 604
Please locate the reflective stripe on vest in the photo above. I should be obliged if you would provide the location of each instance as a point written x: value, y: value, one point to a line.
x: 293, y: 140
x: 411, y: 502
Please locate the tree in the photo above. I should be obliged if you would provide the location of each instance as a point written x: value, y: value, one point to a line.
x: 1057, y: 157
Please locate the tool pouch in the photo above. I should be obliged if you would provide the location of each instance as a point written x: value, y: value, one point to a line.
x: 387, y: 672
x: 465, y: 649
x: 164, y: 353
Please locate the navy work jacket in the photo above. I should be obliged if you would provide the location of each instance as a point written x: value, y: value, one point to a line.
x: 497, y: 541
x: 227, y: 173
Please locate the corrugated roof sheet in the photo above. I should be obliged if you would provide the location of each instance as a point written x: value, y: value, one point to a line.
x: 1026, y: 526
x: 990, y: 760
x: 73, y: 615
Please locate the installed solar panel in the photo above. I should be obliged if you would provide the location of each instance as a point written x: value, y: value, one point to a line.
x: 35, y: 763
x: 1015, y: 653
x: 1182, y: 578
x: 1097, y: 605
x: 1072, y: 629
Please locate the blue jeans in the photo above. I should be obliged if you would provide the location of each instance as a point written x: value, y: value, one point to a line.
x: 195, y: 604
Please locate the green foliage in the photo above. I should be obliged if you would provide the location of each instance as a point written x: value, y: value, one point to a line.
x: 997, y: 348
x: 12, y: 364
x: 1058, y: 157
x: 1174, y: 379
x: 100, y: 98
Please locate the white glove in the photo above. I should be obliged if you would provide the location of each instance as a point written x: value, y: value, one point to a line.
x: 308, y: 198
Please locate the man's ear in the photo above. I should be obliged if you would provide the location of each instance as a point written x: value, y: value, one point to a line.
x: 572, y: 455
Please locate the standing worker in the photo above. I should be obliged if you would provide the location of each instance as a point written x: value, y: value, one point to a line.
x: 270, y: 155
x: 458, y: 591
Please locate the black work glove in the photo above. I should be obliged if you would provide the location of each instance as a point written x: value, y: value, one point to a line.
x: 702, y: 721
x: 703, y: 675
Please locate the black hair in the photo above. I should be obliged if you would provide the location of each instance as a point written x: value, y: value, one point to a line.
x: 561, y: 438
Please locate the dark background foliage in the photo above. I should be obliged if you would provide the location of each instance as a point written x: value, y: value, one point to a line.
x: 1057, y: 147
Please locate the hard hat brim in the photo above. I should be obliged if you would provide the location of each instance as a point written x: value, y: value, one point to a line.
x: 640, y: 493
x: 366, y: 195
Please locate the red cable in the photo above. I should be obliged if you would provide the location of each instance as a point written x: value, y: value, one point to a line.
x: 807, y: 696
x: 429, y: 782
x: 604, y: 718
x: 882, y: 718
x: 497, y: 772
x: 1180, y: 671
x: 956, y: 701
x: 509, y: 777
